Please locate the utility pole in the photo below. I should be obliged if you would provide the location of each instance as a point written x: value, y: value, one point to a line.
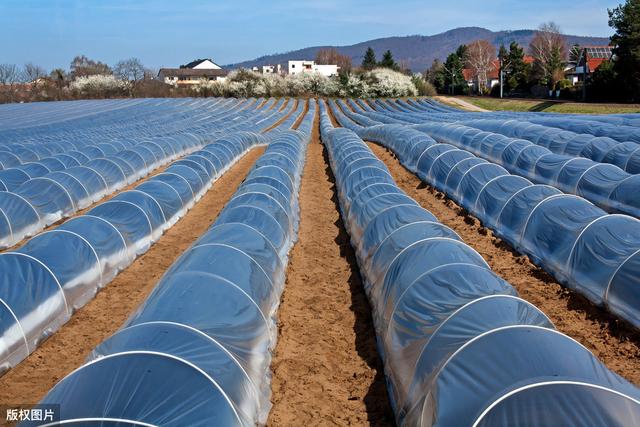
x: 501, y: 77
x: 584, y: 76
x: 453, y: 76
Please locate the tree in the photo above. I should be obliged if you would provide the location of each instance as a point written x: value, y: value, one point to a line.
x: 549, y: 50
x: 449, y: 78
x: 130, y: 70
x: 625, y: 19
x: 59, y: 78
x: 603, y: 84
x: 479, y: 58
x: 8, y: 74
x: 431, y: 74
x: 520, y: 70
x: 32, y: 72
x: 388, y: 61
x: 333, y: 57
x: 369, y: 62
x: 81, y: 66
x: 515, y: 71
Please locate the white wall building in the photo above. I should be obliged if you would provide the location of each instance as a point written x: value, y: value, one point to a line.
x: 297, y: 67
x: 192, y: 73
x: 203, y: 64
x: 271, y: 69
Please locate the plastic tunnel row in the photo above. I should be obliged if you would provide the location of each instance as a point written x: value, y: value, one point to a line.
x: 40, y: 288
x: 459, y: 346
x: 197, y: 352
x: 151, y: 117
x: 43, y: 282
x: 80, y: 140
x: 625, y: 155
x: 606, y: 185
x: 38, y: 201
x: 604, y: 149
x: 619, y: 127
x: 86, y: 141
x: 586, y: 249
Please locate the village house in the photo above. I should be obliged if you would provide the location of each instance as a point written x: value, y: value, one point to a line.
x: 493, y: 75
x: 303, y: 66
x: 192, y: 73
x: 268, y: 69
x: 590, y: 58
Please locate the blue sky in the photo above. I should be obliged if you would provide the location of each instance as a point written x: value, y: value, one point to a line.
x: 168, y: 33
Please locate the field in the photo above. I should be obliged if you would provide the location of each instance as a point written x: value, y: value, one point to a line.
x: 319, y: 262
x: 530, y: 105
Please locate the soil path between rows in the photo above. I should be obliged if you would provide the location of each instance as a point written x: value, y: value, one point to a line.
x: 614, y: 343
x: 68, y: 348
x: 326, y: 368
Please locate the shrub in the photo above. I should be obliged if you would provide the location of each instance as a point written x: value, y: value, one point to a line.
x: 378, y: 82
x: 99, y: 86
x: 423, y: 87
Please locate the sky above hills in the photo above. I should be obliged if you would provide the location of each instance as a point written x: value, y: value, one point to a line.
x: 168, y: 33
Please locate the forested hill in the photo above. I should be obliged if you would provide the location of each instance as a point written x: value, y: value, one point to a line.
x: 418, y: 52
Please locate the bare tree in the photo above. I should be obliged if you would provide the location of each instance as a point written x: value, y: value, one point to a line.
x: 333, y: 57
x: 32, y: 72
x: 8, y: 74
x: 549, y: 49
x: 480, y: 58
x: 81, y: 66
x: 129, y: 69
x: 150, y: 73
x: 59, y: 78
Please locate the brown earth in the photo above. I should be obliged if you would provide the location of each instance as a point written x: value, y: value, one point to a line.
x: 613, y: 342
x: 326, y: 369
x: 101, y: 317
x: 279, y: 122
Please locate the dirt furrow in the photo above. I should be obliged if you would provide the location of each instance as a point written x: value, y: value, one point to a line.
x: 613, y: 342
x: 68, y: 348
x: 326, y: 369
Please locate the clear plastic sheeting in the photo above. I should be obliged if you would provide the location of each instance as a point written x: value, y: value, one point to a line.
x: 458, y: 344
x: 603, y: 184
x: 59, y: 179
x: 586, y: 249
x: 43, y: 282
x: 197, y: 352
x: 582, y: 246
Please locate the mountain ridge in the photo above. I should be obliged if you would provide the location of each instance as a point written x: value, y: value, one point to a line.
x: 417, y: 51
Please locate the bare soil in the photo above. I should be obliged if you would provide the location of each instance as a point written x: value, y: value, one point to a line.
x: 68, y: 348
x: 612, y: 341
x: 326, y: 368
x: 279, y: 122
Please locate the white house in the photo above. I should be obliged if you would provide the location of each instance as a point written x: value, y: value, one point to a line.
x: 202, y: 64
x: 297, y: 67
x: 268, y: 69
x: 192, y: 73
x: 271, y: 69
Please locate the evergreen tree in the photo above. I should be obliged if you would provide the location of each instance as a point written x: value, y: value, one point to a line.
x: 369, y: 62
x: 518, y: 69
x: 625, y: 19
x: 388, y: 61
x: 452, y: 75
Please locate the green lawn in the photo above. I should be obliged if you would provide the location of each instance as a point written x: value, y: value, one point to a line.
x: 496, y: 104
